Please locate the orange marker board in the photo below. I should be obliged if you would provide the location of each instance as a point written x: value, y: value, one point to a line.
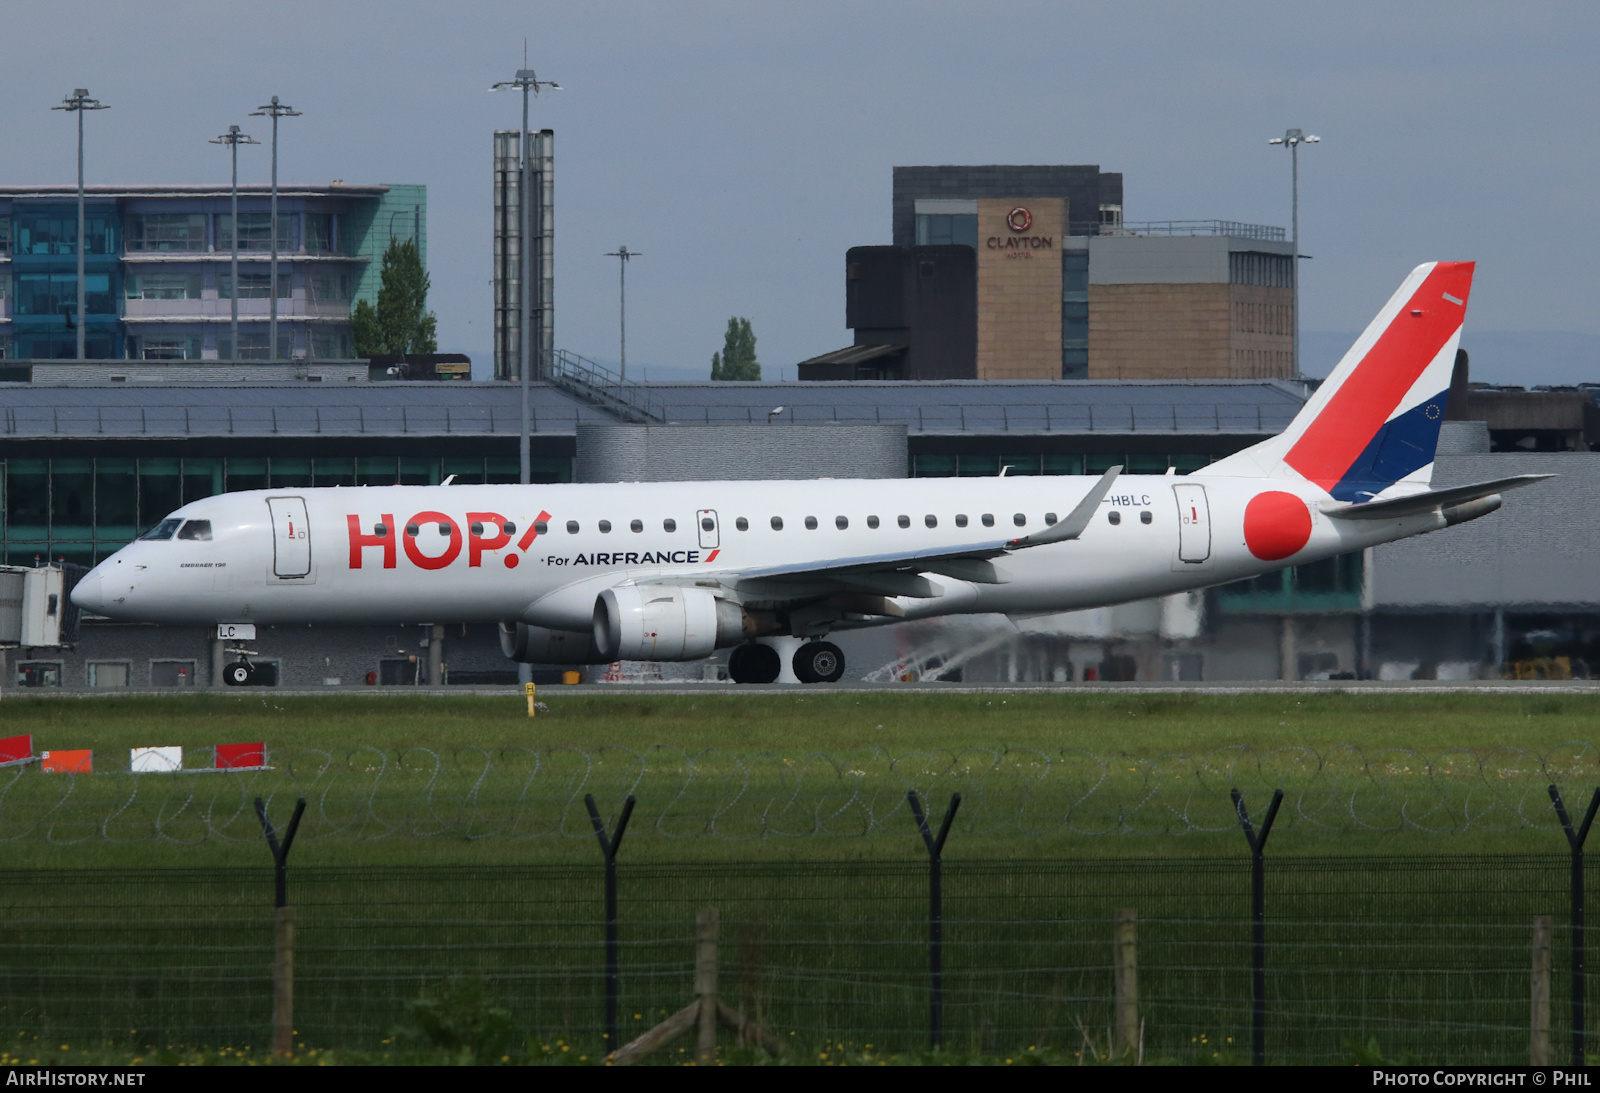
x: 67, y: 762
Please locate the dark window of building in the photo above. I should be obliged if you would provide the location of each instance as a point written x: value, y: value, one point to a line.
x: 162, y: 285
x: 167, y: 233
x: 319, y: 232
x: 1255, y: 268
x: 947, y: 229
x: 255, y: 231
x: 71, y: 493
x: 252, y: 286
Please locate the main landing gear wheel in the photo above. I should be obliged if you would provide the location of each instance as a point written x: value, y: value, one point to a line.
x: 238, y: 675
x: 752, y: 663
x: 818, y: 662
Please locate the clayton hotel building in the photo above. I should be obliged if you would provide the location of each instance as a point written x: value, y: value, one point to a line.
x: 1031, y: 273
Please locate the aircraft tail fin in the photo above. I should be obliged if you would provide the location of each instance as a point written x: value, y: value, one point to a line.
x: 1374, y: 422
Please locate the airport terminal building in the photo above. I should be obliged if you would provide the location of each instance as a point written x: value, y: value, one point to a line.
x: 86, y: 465
x: 157, y: 268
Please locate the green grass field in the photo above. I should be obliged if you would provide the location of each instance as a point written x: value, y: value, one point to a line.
x: 1388, y: 916
x: 415, y: 778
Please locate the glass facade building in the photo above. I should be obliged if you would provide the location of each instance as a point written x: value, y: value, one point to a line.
x: 157, y: 268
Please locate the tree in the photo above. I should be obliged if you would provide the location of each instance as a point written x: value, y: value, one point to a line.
x: 401, y: 322
x: 737, y: 361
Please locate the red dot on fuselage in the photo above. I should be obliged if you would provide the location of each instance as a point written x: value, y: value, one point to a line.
x: 1276, y: 525
x: 511, y: 561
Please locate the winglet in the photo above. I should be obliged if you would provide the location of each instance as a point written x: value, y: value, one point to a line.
x: 1077, y: 520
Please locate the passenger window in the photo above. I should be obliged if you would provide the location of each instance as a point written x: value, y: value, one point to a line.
x: 540, y: 527
x: 841, y: 522
x: 572, y: 527
x: 1114, y: 516
x: 931, y: 520
x: 162, y: 530
x: 381, y: 530
x: 961, y: 519
x: 476, y: 527
x: 605, y: 527
x: 742, y: 524
x: 1019, y: 520
x: 199, y: 530
x: 707, y: 524
x: 1049, y: 519
x: 872, y: 522
x: 636, y: 526
x: 988, y: 519
x: 1144, y: 517
x: 412, y: 530
x: 509, y: 528
x: 777, y: 523
x: 903, y: 521
x: 669, y: 524
x: 445, y: 528
x: 811, y: 523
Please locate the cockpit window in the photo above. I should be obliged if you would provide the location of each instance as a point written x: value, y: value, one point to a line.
x: 162, y: 530
x: 196, y: 529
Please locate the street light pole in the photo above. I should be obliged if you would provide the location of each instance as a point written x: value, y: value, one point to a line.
x: 1294, y: 138
x: 624, y: 254
x: 274, y: 110
x: 233, y: 138
x: 77, y: 103
x: 526, y: 82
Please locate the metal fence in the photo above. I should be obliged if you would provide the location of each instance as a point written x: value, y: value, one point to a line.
x: 1428, y: 955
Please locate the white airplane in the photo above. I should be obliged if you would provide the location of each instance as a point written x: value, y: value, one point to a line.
x: 590, y: 574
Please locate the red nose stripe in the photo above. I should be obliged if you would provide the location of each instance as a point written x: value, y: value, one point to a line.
x: 1370, y: 395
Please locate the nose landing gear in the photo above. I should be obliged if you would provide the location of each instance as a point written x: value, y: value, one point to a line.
x: 241, y: 673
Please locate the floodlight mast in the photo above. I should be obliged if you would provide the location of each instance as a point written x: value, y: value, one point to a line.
x: 77, y: 103
x: 526, y: 82
x: 623, y: 253
x: 233, y: 138
x: 1293, y: 139
x: 274, y: 110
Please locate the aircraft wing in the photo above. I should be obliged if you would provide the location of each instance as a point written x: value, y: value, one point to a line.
x: 897, y: 573
x: 1417, y: 503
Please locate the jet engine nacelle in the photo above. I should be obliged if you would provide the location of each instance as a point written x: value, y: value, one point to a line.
x: 527, y: 644
x: 663, y: 622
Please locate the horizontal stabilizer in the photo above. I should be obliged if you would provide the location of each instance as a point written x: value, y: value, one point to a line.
x: 1417, y: 503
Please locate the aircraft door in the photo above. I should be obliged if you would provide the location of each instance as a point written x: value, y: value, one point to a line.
x: 1194, y: 524
x: 705, y: 521
x: 291, y: 537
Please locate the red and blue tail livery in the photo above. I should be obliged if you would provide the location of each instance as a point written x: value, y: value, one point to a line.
x: 1374, y: 423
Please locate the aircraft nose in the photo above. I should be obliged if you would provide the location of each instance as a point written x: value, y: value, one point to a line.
x: 89, y: 593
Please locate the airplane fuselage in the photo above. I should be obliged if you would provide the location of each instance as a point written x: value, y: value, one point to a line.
x: 542, y: 553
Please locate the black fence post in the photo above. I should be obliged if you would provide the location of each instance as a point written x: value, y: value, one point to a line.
x: 935, y: 911
x: 1575, y: 840
x: 1258, y: 920
x: 609, y: 844
x: 283, y: 928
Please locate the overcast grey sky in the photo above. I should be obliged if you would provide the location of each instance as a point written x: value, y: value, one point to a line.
x: 742, y: 147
